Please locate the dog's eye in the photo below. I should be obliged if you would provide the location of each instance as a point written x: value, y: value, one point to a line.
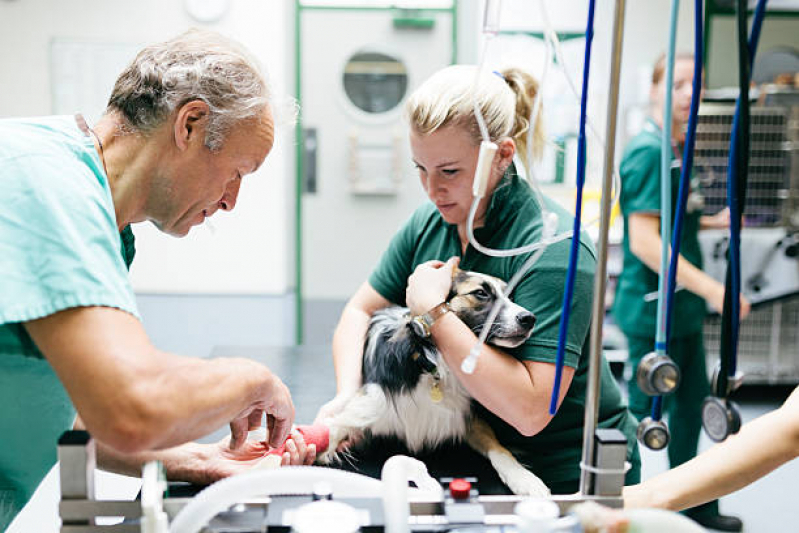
x: 481, y: 295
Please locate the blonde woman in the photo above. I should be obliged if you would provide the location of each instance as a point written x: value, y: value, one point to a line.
x: 513, y: 386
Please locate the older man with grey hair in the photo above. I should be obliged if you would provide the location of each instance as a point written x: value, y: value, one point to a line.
x: 186, y: 121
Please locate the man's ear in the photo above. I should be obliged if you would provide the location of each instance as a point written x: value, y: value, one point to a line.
x: 191, y: 121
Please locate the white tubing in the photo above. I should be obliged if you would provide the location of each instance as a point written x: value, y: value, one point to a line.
x: 483, y: 171
x: 286, y: 480
x: 396, y: 473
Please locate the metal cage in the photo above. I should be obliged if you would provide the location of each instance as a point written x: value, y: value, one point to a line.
x: 769, y: 162
x: 768, y: 343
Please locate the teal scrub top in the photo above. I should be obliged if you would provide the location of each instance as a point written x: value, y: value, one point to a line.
x: 59, y: 248
x: 640, y: 193
x: 514, y: 219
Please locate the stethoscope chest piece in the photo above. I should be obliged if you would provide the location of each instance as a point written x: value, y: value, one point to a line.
x: 653, y: 434
x: 657, y: 374
x: 720, y: 418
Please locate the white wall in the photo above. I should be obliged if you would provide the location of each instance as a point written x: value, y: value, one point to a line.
x: 249, y: 253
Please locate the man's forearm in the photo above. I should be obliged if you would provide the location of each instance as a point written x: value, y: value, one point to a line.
x: 199, y: 396
x: 177, y: 461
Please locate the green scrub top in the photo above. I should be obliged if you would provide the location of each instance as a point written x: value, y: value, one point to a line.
x: 513, y: 219
x: 640, y: 193
x: 59, y: 248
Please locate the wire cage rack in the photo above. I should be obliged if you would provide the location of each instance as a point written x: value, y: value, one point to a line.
x: 768, y: 191
x: 768, y: 343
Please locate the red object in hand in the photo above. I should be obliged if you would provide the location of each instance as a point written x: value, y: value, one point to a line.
x: 318, y: 434
x: 460, y: 489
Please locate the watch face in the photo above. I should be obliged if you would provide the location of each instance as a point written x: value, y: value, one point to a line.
x: 419, y: 327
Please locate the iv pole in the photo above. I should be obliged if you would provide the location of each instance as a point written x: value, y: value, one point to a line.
x: 598, y: 313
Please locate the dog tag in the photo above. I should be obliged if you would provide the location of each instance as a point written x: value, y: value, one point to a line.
x: 435, y: 393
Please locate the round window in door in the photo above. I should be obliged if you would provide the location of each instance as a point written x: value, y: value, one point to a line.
x: 375, y: 82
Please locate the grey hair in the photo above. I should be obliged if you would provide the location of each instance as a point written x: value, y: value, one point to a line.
x: 196, y: 65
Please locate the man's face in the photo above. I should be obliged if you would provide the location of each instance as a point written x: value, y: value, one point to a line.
x: 200, y: 181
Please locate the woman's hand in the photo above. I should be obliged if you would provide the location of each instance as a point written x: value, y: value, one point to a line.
x: 429, y: 285
x: 720, y: 220
x: 716, y: 300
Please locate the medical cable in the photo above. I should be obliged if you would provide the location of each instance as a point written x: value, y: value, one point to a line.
x: 738, y: 164
x: 687, y: 166
x: 661, y: 347
x: 487, y: 151
x: 575, y: 244
x: 552, y: 37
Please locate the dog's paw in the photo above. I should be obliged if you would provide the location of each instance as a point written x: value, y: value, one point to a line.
x: 340, y: 440
x: 327, y: 457
x: 524, y: 483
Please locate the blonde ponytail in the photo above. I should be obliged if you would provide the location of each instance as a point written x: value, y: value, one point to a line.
x: 525, y: 87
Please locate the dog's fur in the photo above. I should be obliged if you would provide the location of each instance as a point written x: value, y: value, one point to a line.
x: 400, y: 369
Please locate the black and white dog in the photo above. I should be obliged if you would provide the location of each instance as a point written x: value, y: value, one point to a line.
x: 409, y: 393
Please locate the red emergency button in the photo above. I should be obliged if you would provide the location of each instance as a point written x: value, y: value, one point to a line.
x: 460, y: 489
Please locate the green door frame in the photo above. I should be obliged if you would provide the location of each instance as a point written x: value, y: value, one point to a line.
x: 402, y: 18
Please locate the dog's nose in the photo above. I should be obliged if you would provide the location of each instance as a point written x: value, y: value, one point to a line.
x: 527, y: 320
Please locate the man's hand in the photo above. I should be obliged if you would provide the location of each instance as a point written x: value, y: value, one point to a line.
x: 212, y: 462
x: 429, y: 285
x: 276, y: 403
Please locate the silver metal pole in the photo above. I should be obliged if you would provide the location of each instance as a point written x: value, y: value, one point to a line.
x: 598, y: 313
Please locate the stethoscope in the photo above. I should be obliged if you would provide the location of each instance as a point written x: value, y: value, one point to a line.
x: 657, y: 374
x: 721, y: 416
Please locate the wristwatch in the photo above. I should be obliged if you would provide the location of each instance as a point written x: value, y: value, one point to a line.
x: 421, y: 324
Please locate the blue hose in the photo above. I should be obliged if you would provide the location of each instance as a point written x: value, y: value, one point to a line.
x: 687, y: 165
x: 575, y: 242
x: 661, y: 344
x: 738, y: 163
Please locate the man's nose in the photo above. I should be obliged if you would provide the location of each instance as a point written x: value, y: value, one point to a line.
x: 228, y: 201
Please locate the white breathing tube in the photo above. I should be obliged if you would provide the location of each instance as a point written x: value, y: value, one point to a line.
x: 300, y: 479
x: 488, y: 150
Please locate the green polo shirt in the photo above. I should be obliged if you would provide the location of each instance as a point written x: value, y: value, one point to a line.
x: 513, y: 219
x: 640, y: 193
x: 59, y: 248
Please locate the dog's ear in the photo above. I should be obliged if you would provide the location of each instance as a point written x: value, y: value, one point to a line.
x: 455, y: 271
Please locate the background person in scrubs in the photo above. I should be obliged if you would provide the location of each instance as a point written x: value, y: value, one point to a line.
x: 186, y: 121
x: 640, y: 205
x: 511, y: 386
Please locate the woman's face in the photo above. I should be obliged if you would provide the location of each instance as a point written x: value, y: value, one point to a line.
x: 446, y: 160
x: 681, y: 91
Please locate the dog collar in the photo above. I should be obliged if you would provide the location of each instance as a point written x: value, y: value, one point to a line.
x: 426, y: 364
x: 421, y: 324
